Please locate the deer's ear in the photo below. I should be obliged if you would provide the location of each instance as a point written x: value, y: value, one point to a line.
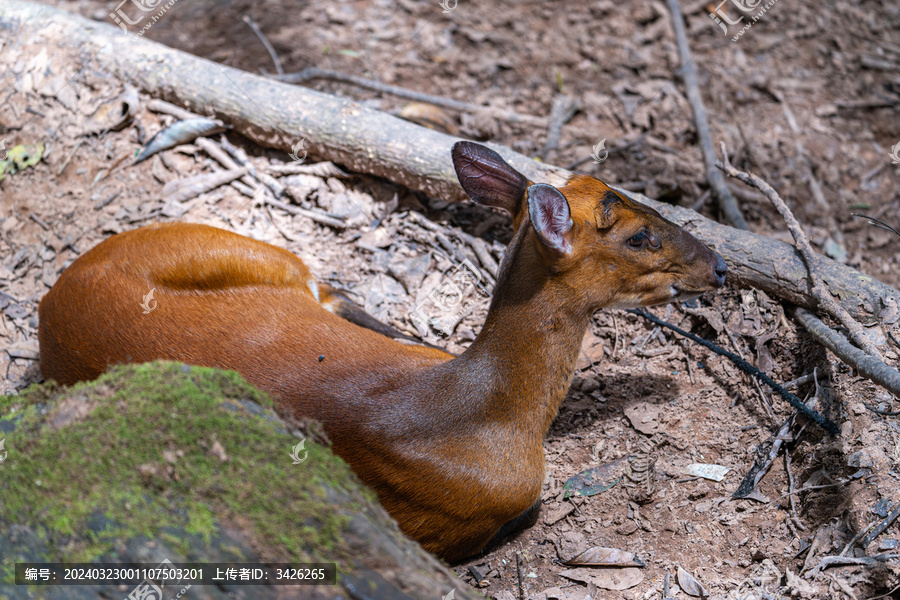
x: 487, y: 178
x: 550, y: 217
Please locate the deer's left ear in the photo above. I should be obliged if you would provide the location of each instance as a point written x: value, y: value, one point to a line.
x: 550, y: 217
x: 487, y: 178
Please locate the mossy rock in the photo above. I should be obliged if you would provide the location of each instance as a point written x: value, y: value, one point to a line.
x: 190, y: 464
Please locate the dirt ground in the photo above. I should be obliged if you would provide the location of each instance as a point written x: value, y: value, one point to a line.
x: 806, y: 98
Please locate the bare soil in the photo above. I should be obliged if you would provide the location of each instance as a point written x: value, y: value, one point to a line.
x: 806, y: 98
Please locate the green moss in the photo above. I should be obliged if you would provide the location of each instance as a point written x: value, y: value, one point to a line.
x: 148, y: 457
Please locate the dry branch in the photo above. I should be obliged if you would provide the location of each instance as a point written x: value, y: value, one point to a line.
x: 265, y: 42
x: 563, y: 109
x: 311, y: 73
x: 716, y: 181
x: 277, y: 115
x: 868, y: 363
x: 868, y: 366
x: 819, y: 291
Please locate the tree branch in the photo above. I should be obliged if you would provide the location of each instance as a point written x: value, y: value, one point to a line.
x: 727, y: 201
x: 819, y: 291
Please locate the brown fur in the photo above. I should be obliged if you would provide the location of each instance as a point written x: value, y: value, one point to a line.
x: 452, y: 445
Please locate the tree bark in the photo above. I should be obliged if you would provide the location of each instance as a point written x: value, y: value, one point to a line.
x: 278, y: 115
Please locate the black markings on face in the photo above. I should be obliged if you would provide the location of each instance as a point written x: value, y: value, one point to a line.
x: 609, y: 199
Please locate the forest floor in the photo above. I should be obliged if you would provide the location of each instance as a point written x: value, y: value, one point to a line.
x: 806, y: 98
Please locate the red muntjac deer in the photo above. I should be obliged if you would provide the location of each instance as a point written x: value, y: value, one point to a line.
x: 451, y: 444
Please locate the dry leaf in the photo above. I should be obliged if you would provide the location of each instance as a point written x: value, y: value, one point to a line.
x: 428, y: 115
x: 605, y: 557
x: 113, y: 115
x: 711, y: 315
x: 377, y: 238
x: 643, y: 417
x: 607, y: 579
x: 181, y: 132
x: 690, y: 585
x: 595, y: 480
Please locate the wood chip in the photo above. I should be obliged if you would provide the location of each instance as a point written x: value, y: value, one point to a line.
x: 185, y: 189
x: 560, y: 513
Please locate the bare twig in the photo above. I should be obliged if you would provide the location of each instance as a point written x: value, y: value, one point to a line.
x: 835, y: 561
x: 878, y: 64
x: 762, y: 397
x: 167, y: 108
x: 746, y: 367
x: 69, y: 157
x: 727, y: 201
x: 220, y: 156
x: 519, y: 573
x: 562, y: 110
x: 616, y: 341
x: 845, y: 587
x: 887, y: 596
x: 802, y: 380
x: 666, y: 588
x: 881, y: 526
x: 311, y: 214
x: 866, y: 104
x: 877, y: 223
x: 482, y: 251
x: 101, y: 203
x: 316, y: 73
x: 284, y: 232
x: 242, y: 159
x: 39, y: 221
x: 765, y: 453
x: 787, y: 468
x: 821, y: 294
x: 807, y: 489
x: 867, y: 366
x: 856, y: 538
x: 764, y: 400
x: 181, y: 190
x: 701, y: 200
x: 321, y: 169
x: 265, y: 42
x: 689, y: 360
x: 110, y: 170
x: 884, y: 413
x: 814, y: 186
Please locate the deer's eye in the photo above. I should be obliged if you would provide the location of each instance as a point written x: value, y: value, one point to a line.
x: 643, y: 239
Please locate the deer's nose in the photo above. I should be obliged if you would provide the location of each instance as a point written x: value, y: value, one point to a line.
x: 720, y: 269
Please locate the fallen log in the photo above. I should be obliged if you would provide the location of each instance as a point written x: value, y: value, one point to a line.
x: 278, y: 115
x: 163, y: 461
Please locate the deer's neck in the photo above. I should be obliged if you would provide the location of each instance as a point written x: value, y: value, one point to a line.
x: 522, y: 362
